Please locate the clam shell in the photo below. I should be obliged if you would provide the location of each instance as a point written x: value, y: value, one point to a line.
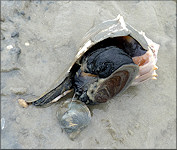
x: 73, y: 117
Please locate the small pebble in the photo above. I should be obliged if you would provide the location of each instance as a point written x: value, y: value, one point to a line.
x: 22, y: 103
x: 9, y: 47
x: 15, y: 34
x: 26, y: 44
x: 22, y: 13
x: 2, y: 123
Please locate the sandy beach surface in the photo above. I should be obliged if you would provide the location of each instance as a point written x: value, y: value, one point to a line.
x: 39, y: 39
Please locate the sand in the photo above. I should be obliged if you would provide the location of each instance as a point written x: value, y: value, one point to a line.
x: 39, y: 40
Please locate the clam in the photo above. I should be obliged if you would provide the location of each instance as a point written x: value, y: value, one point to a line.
x: 73, y: 117
x: 112, y: 57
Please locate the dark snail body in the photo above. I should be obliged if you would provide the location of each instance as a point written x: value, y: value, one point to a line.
x: 100, y: 63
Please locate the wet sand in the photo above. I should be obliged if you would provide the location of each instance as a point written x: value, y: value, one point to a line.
x: 38, y: 42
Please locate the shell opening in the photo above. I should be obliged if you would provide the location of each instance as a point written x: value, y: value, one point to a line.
x: 126, y: 43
